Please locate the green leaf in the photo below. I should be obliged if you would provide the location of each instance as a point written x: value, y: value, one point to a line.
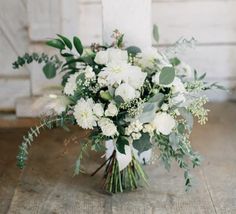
x: 119, y: 100
x: 133, y: 50
x: 66, y: 41
x: 187, y: 116
x: 120, y: 144
x: 175, y: 61
x: 155, y: 33
x: 143, y: 143
x: 78, y: 45
x: 56, y: 43
x: 157, y: 98
x: 174, y: 141
x: 181, y: 128
x: 49, y: 70
x: 149, y: 112
x: 105, y: 95
x: 167, y: 75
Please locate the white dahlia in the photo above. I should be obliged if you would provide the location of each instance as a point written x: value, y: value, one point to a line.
x: 71, y: 84
x: 83, y: 113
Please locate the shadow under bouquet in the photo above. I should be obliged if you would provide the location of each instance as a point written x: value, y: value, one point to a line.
x: 130, y: 99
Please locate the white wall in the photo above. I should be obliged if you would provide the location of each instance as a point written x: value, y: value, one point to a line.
x: 211, y: 22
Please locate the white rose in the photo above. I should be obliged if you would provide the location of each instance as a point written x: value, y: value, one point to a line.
x: 101, y: 58
x: 126, y: 92
x: 178, y: 86
x: 111, y: 110
x: 136, y: 77
x: 117, y: 55
x: 163, y: 123
x: 98, y: 109
x: 108, y: 127
x: 179, y: 99
x: 89, y: 74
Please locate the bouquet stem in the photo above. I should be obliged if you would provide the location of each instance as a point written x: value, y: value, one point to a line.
x: 128, y: 179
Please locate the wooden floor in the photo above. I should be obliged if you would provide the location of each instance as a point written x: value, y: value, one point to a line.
x: 47, y: 185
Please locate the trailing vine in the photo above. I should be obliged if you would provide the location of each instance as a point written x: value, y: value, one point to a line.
x: 46, y: 123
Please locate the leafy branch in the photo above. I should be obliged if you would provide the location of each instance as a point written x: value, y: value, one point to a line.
x: 33, y: 133
x: 51, y: 64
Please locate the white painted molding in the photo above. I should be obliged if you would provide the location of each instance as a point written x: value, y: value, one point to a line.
x: 132, y: 17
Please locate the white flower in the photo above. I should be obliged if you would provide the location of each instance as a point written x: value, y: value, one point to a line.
x: 89, y: 73
x: 178, y: 86
x: 148, y: 128
x: 126, y: 92
x: 136, y: 136
x: 101, y: 58
x: 83, y: 113
x: 117, y: 55
x: 111, y: 55
x: 164, y: 107
x: 111, y: 110
x: 108, y: 127
x: 98, y: 110
x: 135, y: 126
x: 179, y: 99
x: 136, y: 77
x: 115, y: 73
x: 163, y: 123
x: 71, y: 84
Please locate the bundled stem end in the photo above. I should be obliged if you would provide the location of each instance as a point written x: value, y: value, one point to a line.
x: 130, y: 178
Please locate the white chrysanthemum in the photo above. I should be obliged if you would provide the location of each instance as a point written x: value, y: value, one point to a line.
x: 136, y: 77
x: 98, y: 110
x: 126, y: 91
x: 89, y: 73
x: 71, y: 84
x: 108, y: 127
x: 111, y: 110
x: 163, y: 123
x: 83, y: 113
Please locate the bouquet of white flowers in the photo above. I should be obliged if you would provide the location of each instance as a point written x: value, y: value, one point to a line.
x: 131, y: 99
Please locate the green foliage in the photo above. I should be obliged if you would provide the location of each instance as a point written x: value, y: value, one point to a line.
x: 155, y: 33
x: 78, y: 45
x: 120, y: 144
x: 66, y: 41
x: 188, y: 117
x: 177, y: 147
x: 143, y: 143
x: 175, y: 61
x: 167, y: 75
x: 51, y: 64
x: 49, y: 123
x: 56, y: 43
x: 133, y: 50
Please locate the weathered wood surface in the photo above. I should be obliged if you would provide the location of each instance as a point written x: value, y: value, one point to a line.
x: 47, y: 185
